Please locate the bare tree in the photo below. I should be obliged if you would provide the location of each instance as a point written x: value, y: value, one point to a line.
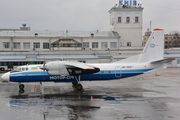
x: 175, y: 42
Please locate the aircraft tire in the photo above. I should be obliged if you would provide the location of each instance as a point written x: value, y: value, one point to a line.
x: 79, y: 87
x: 21, y: 91
x: 21, y: 86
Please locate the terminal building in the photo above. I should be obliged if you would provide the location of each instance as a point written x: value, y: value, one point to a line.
x: 125, y: 31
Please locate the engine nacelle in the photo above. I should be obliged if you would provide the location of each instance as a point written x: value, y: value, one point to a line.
x: 56, y: 68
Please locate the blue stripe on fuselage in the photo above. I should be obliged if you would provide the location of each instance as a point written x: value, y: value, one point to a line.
x: 39, y: 76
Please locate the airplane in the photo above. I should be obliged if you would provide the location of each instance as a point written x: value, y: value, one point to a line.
x: 150, y: 59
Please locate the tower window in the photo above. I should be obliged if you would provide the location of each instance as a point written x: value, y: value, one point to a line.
x: 136, y: 19
x: 119, y: 19
x: 127, y: 19
x: 128, y: 43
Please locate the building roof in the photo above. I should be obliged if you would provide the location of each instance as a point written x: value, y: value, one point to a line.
x: 61, y: 34
x: 126, y: 7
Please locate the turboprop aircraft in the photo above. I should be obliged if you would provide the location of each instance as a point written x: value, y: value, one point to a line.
x: 150, y: 59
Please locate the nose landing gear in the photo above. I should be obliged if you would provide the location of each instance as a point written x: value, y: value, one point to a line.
x: 77, y: 85
x: 21, y: 88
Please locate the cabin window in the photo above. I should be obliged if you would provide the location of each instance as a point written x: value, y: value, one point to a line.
x: 102, y: 71
x: 26, y: 69
x: 109, y: 71
x: 23, y: 69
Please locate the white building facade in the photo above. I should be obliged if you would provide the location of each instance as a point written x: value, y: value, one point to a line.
x: 50, y: 41
x: 127, y: 21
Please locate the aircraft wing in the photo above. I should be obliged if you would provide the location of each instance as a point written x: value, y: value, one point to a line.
x: 65, y: 68
x: 166, y: 60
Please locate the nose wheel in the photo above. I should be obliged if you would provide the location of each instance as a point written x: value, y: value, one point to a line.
x: 21, y: 86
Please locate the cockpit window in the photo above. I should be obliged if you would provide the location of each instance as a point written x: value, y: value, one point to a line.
x: 18, y: 69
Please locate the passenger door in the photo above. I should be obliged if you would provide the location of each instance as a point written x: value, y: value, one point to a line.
x: 118, y: 71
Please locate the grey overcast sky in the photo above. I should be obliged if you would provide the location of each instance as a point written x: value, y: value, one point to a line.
x: 82, y: 15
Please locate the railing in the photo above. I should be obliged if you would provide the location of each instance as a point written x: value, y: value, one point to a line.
x: 56, y: 34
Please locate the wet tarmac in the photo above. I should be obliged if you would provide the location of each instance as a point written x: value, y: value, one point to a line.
x: 152, y: 96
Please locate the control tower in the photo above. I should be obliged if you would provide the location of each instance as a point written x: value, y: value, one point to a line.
x: 126, y: 19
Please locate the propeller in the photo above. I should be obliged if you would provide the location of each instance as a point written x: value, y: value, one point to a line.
x: 44, y: 66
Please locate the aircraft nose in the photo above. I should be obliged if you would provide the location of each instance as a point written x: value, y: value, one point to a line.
x: 5, y: 77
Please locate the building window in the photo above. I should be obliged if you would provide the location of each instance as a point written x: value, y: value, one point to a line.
x: 166, y: 38
x: 94, y: 44
x: 136, y: 19
x: 26, y: 45
x: 6, y: 45
x: 16, y: 45
x: 36, y: 45
x: 127, y: 19
x: 85, y: 44
x: 170, y: 38
x: 178, y: 61
x: 119, y: 19
x: 128, y: 43
x: 45, y: 45
x: 170, y: 63
x: 104, y: 45
x: 113, y: 45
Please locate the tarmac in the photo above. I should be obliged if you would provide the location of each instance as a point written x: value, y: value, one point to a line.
x: 151, y: 96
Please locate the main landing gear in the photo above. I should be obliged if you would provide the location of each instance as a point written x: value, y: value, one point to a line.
x: 21, y: 88
x: 77, y: 85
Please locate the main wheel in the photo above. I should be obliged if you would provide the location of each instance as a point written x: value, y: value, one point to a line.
x: 21, y: 86
x: 79, y: 87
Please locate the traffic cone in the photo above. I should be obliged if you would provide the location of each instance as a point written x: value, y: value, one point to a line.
x: 35, y: 88
x: 91, y: 98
